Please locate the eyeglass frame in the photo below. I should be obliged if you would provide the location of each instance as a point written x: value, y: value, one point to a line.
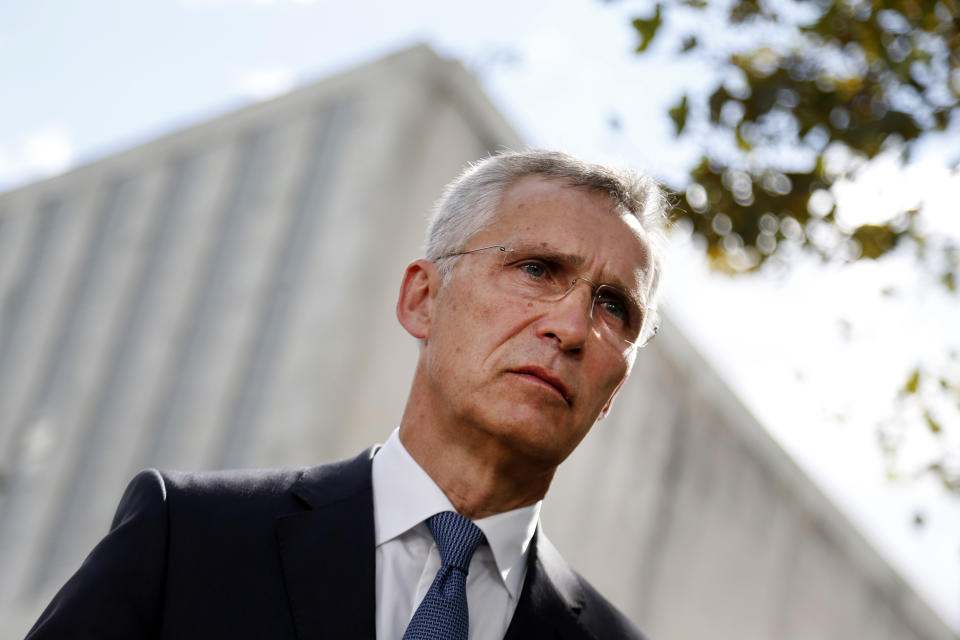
x: 593, y: 294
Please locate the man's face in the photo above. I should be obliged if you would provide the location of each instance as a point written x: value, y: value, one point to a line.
x: 534, y: 375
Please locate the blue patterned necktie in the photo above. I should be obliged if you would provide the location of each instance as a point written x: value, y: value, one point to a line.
x: 442, y: 614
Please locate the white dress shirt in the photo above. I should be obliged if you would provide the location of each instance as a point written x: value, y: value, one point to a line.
x: 404, y: 496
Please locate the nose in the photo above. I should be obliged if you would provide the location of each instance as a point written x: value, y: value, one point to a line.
x: 567, y: 320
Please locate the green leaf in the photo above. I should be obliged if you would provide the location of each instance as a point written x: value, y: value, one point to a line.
x: 717, y: 100
x: 932, y: 424
x: 647, y: 29
x: 912, y: 382
x: 679, y: 115
x: 689, y: 44
x: 949, y: 281
x: 876, y: 240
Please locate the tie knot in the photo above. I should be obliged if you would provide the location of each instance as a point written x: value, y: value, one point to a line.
x: 456, y: 537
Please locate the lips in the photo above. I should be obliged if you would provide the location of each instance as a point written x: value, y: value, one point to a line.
x: 549, y: 378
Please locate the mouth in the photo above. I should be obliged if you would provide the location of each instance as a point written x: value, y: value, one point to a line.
x: 543, y: 376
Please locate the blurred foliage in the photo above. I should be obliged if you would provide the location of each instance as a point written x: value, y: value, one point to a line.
x: 924, y: 400
x: 803, y: 96
x: 647, y: 29
x: 808, y: 93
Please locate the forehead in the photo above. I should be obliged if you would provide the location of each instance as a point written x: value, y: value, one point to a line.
x: 539, y: 212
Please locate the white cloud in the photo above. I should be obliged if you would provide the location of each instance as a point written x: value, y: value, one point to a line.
x: 44, y: 152
x: 266, y: 83
x: 47, y: 151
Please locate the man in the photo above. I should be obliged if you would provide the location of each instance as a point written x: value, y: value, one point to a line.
x: 538, y: 286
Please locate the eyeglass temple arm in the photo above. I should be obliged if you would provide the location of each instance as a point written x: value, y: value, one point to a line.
x: 463, y: 253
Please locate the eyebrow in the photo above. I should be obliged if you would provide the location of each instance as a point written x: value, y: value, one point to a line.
x: 547, y: 253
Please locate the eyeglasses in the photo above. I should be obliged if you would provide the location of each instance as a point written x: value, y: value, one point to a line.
x: 541, y: 276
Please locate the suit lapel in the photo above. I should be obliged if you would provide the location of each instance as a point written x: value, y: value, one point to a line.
x: 551, y: 599
x: 328, y: 552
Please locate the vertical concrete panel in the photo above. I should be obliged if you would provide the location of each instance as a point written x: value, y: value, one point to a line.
x: 119, y: 288
x: 70, y: 371
x: 192, y: 392
x: 210, y: 162
x: 73, y: 370
x: 326, y: 320
x: 16, y: 232
x: 284, y: 281
x: 30, y: 382
x: 248, y: 272
x: 27, y: 321
x: 14, y: 243
x: 65, y: 364
x: 109, y: 418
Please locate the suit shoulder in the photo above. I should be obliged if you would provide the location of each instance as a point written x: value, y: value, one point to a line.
x: 242, y: 482
x: 249, y: 484
x: 596, y: 616
x: 602, y: 617
x: 218, y: 493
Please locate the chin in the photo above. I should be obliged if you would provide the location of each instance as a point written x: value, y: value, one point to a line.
x: 537, y: 440
x: 544, y: 433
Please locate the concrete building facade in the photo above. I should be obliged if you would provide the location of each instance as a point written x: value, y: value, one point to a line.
x: 223, y: 297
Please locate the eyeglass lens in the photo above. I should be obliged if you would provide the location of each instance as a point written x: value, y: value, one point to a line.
x: 531, y: 276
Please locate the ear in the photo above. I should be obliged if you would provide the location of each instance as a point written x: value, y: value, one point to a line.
x: 606, y: 407
x: 417, y: 292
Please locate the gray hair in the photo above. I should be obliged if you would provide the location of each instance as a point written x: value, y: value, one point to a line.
x: 470, y: 202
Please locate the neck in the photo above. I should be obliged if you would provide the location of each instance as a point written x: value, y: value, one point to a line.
x: 480, y: 476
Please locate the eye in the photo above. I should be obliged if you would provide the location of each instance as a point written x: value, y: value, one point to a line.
x: 534, y: 269
x: 613, y: 307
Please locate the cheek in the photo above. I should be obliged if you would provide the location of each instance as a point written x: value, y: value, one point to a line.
x: 610, y: 375
x: 491, y: 322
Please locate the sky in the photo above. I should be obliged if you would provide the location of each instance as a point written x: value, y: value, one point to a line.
x: 815, y: 352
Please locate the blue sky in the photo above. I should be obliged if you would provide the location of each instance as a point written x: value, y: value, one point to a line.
x: 816, y: 353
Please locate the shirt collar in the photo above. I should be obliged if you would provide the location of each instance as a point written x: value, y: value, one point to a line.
x: 404, y: 496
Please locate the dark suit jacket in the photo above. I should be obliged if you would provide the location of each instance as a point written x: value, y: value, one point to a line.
x: 272, y: 554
